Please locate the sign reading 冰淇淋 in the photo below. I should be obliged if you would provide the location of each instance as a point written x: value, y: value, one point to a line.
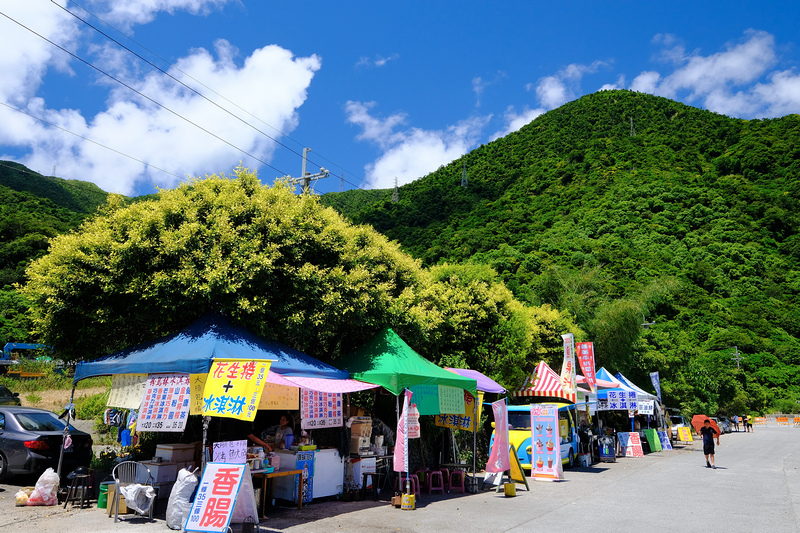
x: 618, y: 401
x: 165, y: 404
x: 127, y: 391
x: 320, y: 409
x: 233, y: 388
x: 465, y: 421
x: 545, y: 442
x: 216, y: 496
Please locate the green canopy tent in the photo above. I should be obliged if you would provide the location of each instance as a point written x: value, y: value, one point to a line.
x: 386, y: 360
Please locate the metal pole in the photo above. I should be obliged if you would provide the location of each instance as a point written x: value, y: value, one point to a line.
x: 206, y: 421
x: 69, y: 407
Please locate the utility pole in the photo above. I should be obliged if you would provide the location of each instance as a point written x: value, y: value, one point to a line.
x: 306, y: 178
x: 396, y: 192
x: 633, y: 131
x: 737, y: 356
x: 464, y: 181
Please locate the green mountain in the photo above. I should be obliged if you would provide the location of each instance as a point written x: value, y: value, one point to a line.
x: 626, y: 209
x: 33, y: 208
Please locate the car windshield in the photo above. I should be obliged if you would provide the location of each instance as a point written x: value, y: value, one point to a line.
x: 39, y: 421
x: 676, y: 419
x: 519, y: 419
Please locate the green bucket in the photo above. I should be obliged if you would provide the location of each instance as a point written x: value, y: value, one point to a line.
x: 102, y: 499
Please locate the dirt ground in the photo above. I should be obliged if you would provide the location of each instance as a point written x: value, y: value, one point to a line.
x: 55, y: 400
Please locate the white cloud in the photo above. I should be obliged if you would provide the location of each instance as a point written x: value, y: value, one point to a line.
x: 551, y: 91
x: 131, y: 124
x: 375, y: 62
x: 411, y: 153
x: 479, y: 85
x: 727, y: 81
x: 127, y: 13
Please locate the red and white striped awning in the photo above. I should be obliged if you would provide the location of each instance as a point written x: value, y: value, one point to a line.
x: 545, y: 382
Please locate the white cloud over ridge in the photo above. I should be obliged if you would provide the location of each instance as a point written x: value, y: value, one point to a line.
x: 136, y: 126
x: 410, y: 153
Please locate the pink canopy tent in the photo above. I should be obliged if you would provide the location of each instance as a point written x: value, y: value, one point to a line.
x: 545, y: 382
x: 319, y: 384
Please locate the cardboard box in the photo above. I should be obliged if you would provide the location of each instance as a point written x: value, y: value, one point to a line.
x: 123, y: 509
x: 397, y: 501
x: 161, y: 472
x: 174, y: 453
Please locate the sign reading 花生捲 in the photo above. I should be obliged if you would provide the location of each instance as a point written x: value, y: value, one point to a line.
x: 233, y: 388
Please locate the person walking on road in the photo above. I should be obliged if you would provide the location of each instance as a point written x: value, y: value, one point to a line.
x: 735, y: 421
x: 744, y: 422
x: 709, y: 434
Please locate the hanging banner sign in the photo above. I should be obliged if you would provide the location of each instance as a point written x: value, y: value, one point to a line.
x: 413, y: 422
x: 279, y: 397
x: 127, y: 391
x: 585, y: 352
x: 568, y: 366
x: 400, y: 463
x: 618, y: 401
x: 466, y: 422
x: 165, y: 405
x: 499, y: 457
x: 631, y: 444
x: 320, y: 409
x: 230, y: 452
x: 439, y: 399
x: 197, y: 388
x: 216, y: 497
x: 545, y: 440
x: 647, y: 408
x: 656, y: 384
x: 451, y: 400
x: 233, y: 388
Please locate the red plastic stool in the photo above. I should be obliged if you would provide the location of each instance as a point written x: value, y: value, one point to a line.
x: 457, y: 480
x: 435, y: 481
x: 400, y: 481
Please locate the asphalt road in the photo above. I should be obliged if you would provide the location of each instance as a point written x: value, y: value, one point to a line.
x: 756, y: 487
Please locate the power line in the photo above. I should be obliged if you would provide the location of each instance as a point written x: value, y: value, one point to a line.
x: 142, y: 94
x: 200, y: 83
x: 88, y: 140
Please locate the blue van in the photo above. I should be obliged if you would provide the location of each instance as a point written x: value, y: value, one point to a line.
x: 519, y: 418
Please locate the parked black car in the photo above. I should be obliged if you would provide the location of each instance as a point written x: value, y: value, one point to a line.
x: 31, y: 439
x: 8, y: 398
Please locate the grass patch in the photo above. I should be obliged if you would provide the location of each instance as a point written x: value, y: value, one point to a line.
x: 33, y: 398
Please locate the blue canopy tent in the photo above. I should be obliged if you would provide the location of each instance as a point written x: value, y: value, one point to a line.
x: 193, y: 349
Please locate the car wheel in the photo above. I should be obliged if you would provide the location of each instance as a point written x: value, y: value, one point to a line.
x: 3, y: 466
x: 571, y: 460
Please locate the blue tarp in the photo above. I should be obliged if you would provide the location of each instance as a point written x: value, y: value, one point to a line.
x: 192, y: 350
x: 640, y: 393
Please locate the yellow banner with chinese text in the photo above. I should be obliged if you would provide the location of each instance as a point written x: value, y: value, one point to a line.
x: 466, y: 422
x: 233, y: 388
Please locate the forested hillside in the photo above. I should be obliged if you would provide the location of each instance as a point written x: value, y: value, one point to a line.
x: 624, y: 209
x: 33, y: 208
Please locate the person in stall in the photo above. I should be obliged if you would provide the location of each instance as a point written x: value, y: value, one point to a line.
x: 284, y: 435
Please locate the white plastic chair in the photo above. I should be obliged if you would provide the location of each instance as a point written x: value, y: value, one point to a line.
x: 130, y: 473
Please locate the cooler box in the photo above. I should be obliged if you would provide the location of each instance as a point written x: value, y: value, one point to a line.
x: 161, y: 472
x: 177, y: 453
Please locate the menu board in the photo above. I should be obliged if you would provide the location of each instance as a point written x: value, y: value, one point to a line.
x: 467, y: 421
x: 320, y: 409
x: 127, y: 391
x: 279, y: 397
x: 231, y: 452
x: 165, y: 405
x: 546, y: 457
x: 451, y: 400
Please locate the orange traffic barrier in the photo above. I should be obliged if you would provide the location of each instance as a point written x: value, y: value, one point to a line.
x: 760, y: 421
x: 782, y: 420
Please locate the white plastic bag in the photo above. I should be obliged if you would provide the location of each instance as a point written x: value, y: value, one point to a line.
x: 138, y: 497
x: 46, y: 490
x: 22, y: 496
x: 179, y: 503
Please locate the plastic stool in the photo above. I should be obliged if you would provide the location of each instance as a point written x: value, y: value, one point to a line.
x: 432, y: 481
x: 79, y: 483
x: 400, y: 480
x: 422, y: 474
x: 446, y: 477
x: 457, y: 480
x: 374, y: 479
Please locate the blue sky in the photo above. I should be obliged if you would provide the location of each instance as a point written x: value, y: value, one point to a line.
x: 378, y: 90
